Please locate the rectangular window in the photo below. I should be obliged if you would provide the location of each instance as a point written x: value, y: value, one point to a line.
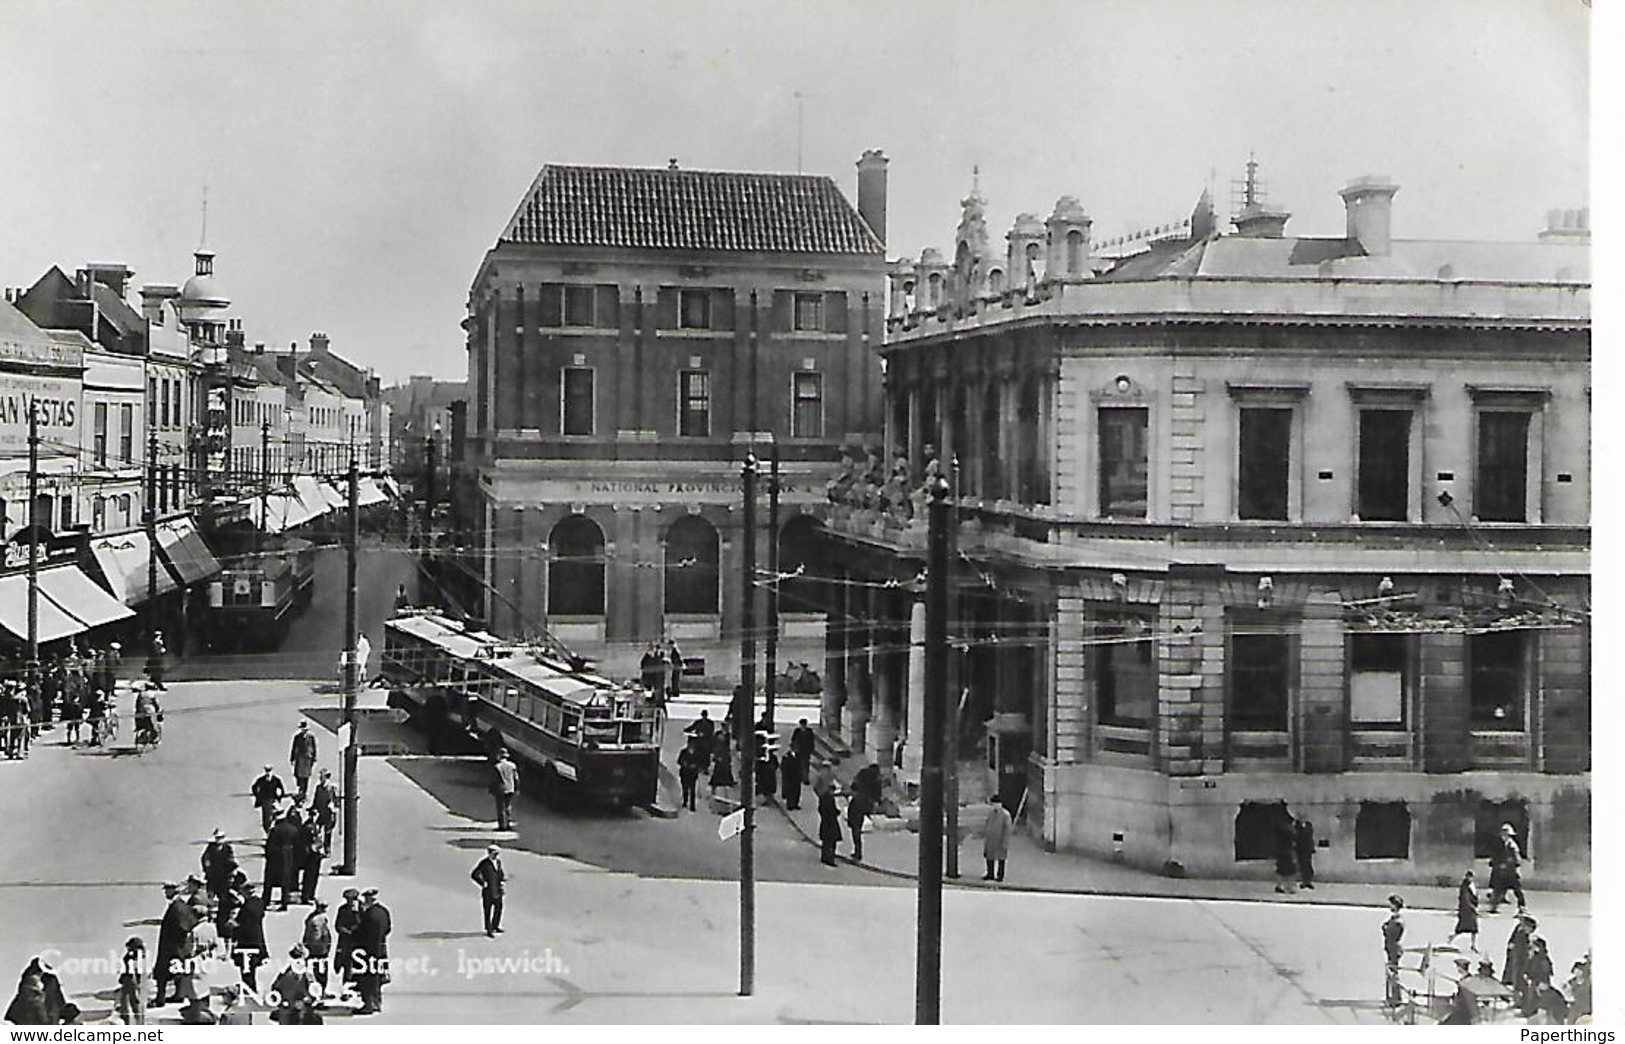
x: 694, y: 417
x: 67, y: 513
x: 1378, y: 666
x: 1123, y: 469
x: 163, y: 406
x: 175, y: 417
x: 810, y: 312
x: 580, y: 308
x: 1382, y: 830
x: 126, y: 433
x: 1501, y: 484
x: 1260, y: 679
x: 100, y: 451
x: 1385, y: 465
x: 98, y: 514
x: 694, y: 309
x: 1497, y: 679
x: 1263, y: 468
x: 578, y: 401
x: 152, y: 394
x: 1125, y: 674
x: 807, y: 410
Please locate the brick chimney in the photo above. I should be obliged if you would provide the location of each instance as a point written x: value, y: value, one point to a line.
x: 153, y: 296
x: 115, y: 277
x: 872, y: 191
x: 1369, y: 203
x: 318, y: 344
x: 234, y: 333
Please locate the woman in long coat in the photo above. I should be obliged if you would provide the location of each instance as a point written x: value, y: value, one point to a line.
x: 1467, y: 910
x: 722, y: 764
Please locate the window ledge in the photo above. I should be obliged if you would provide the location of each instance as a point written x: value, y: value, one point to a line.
x: 702, y: 335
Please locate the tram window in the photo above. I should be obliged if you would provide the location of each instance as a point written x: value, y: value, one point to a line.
x: 571, y: 726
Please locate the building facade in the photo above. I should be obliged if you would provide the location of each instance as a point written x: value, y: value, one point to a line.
x: 1243, y: 520
x: 35, y: 368
x: 630, y: 335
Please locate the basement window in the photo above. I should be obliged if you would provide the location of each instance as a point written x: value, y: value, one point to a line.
x: 1382, y: 830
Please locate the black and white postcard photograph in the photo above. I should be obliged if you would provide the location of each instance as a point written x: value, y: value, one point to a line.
x: 802, y: 513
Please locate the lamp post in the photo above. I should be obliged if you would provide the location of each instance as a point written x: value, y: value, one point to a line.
x: 429, y: 496
x: 928, y: 942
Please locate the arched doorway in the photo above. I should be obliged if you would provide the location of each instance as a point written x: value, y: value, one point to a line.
x: 691, y: 567
x: 575, y: 568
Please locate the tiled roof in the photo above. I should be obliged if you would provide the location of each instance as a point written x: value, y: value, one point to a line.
x: 654, y: 209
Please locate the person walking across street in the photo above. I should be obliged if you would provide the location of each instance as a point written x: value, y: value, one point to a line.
x: 302, y: 756
x: 1506, y: 872
x: 324, y: 801
x: 996, y: 831
x: 371, y: 955
x: 155, y: 661
x: 268, y: 791
x: 1467, y: 910
x: 1303, y: 847
x: 504, y: 785
x: 829, y: 826
x: 492, y: 879
x: 690, y: 760
x: 1393, y: 935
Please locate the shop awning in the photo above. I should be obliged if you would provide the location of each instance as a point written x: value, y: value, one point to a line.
x: 368, y: 493
x: 311, y: 496
x: 123, y: 561
x: 69, y: 603
x: 336, y: 501
x: 183, y: 545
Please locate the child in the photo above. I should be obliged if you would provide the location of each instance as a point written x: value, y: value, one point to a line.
x: 132, y: 1004
x: 1467, y: 910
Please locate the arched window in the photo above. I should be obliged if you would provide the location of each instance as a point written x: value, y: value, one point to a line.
x: 1074, y: 252
x: 936, y: 290
x: 575, y: 571
x: 798, y: 550
x: 691, y: 566
x: 995, y: 280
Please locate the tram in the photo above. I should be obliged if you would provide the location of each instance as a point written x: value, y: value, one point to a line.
x: 258, y: 593
x: 587, y: 736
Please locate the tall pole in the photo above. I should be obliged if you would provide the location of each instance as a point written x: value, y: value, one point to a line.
x: 928, y: 945
x: 427, y: 553
x: 770, y: 682
x: 152, y: 534
x: 746, y: 730
x: 265, y: 476
x: 32, y: 669
x: 951, y: 691
x: 352, y: 540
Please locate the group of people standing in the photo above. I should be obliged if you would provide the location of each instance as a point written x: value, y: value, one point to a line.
x: 75, y: 686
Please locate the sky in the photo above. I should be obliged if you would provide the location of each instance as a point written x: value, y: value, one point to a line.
x: 360, y: 157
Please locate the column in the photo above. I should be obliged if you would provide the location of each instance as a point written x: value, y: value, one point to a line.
x: 860, y: 672
x: 914, y: 741
x: 889, y: 668
x: 836, y: 640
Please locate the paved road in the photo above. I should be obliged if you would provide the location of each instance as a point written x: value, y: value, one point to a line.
x: 588, y: 942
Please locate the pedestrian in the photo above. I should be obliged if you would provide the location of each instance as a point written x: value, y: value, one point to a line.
x: 996, y: 831
x: 802, y: 743
x: 282, y: 860
x: 790, y: 771
x: 1286, y: 854
x: 722, y: 763
x: 703, y: 729
x: 229, y: 902
x: 248, y: 939
x: 219, y: 862
x: 767, y: 773
x: 72, y: 710
x: 1393, y: 934
x: 345, y: 922
x: 178, y: 921
x: 869, y: 784
x: 1537, y: 978
x: 402, y: 599
x: 690, y: 760
x: 674, y: 664
x: 302, y: 756
x: 295, y: 990
x: 858, y: 807
x: 324, y: 802
x: 1467, y: 910
x: 1303, y: 846
x: 96, y: 716
x: 318, y: 942
x: 155, y: 661
x: 363, y: 652
x: 738, y: 717
x: 132, y: 1001
x: 268, y: 792
x: 371, y: 955
x: 1506, y: 870
x: 492, y: 879
x: 504, y: 785
x: 829, y: 827
x: 651, y: 668
x: 312, y: 850
x: 1518, y: 950
x: 823, y: 779
x: 39, y: 1000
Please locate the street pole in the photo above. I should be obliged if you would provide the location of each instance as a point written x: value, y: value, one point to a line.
x: 427, y: 553
x: 352, y: 535
x: 32, y: 670
x: 265, y: 478
x: 928, y: 945
x: 152, y: 535
x: 747, y: 746
x: 950, y: 783
x: 770, y: 683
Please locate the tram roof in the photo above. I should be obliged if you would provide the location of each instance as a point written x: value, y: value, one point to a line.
x: 444, y: 632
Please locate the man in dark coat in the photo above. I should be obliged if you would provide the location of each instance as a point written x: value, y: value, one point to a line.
x: 858, y: 807
x: 302, y: 756
x: 324, y: 802
x: 249, y: 937
x: 312, y: 850
x: 829, y: 827
x: 868, y: 783
x: 703, y: 729
x: 371, y: 956
x: 1286, y: 854
x: 268, y: 791
x: 219, y: 861
x: 690, y: 760
x: 179, y: 920
x: 790, y: 774
x: 1393, y: 935
x: 345, y: 922
x: 281, y: 859
x: 1303, y: 846
x: 652, y: 669
x: 802, y: 743
x: 1505, y: 870
x: 228, y: 902
x: 492, y: 879
x: 674, y: 667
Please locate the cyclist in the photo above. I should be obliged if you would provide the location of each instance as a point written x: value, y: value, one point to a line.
x: 96, y: 716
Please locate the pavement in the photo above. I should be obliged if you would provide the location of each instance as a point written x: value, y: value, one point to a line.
x: 591, y: 941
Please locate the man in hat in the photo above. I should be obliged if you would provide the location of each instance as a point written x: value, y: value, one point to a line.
x: 491, y: 878
x: 1393, y: 933
x: 268, y: 791
x: 1505, y: 872
x: 250, y: 950
x: 371, y: 955
x: 324, y: 803
x: 179, y: 920
x: 282, y: 858
x: 504, y: 785
x: 218, y: 862
x: 303, y: 757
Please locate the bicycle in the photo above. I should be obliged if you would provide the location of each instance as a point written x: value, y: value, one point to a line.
x: 148, y: 733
